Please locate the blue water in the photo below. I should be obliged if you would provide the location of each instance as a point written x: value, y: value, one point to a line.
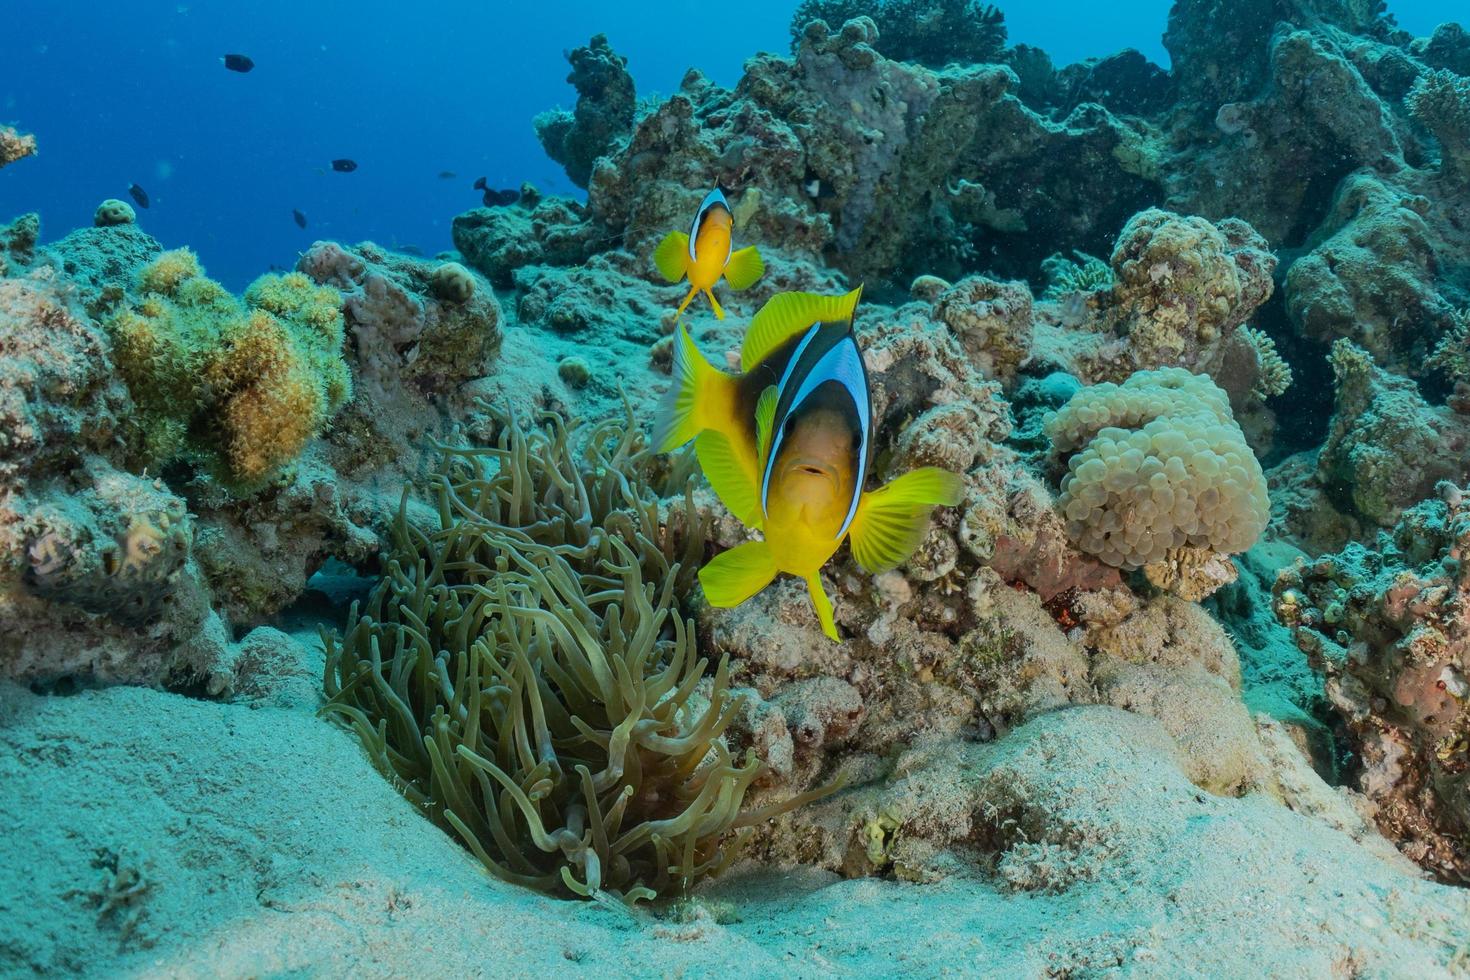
x: 123, y: 91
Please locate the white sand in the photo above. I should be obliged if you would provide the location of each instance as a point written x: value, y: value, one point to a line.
x: 269, y: 846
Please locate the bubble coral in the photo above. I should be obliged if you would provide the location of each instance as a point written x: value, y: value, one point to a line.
x: 522, y: 672
x: 1157, y: 464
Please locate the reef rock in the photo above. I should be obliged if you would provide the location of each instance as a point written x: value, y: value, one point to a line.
x: 1389, y: 624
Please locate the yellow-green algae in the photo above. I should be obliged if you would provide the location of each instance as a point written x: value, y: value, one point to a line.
x: 239, y: 388
x: 523, y: 673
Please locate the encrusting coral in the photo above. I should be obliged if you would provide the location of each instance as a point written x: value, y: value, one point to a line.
x: 239, y: 388
x: 524, y: 675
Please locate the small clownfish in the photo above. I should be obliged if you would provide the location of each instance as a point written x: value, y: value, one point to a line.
x: 786, y: 445
x: 704, y: 255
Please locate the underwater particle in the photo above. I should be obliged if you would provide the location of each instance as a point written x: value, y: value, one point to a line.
x: 238, y: 62
x: 14, y: 145
x: 138, y: 194
x: 629, y: 789
x: 574, y: 371
x: 344, y: 165
x: 114, y: 212
x: 452, y: 283
x: 298, y: 217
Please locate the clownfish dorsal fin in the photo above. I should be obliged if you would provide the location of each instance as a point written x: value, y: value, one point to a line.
x: 787, y: 314
x: 765, y: 418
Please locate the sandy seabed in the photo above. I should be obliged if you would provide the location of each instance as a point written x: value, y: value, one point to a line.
x: 159, y: 835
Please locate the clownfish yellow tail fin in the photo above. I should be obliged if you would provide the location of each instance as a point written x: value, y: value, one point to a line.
x: 701, y: 397
x: 693, y: 292
x: 733, y: 576
x: 715, y: 305
x: 744, y: 268
x: 672, y: 256
x: 891, y: 521
x: 822, y: 605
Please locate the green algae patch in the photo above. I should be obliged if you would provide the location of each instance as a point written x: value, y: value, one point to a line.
x: 523, y: 674
x: 238, y: 388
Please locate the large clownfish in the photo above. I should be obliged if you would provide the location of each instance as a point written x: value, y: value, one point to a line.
x: 705, y: 254
x: 787, y: 444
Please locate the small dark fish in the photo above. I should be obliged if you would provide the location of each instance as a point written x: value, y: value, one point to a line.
x: 447, y: 175
x: 299, y: 218
x: 138, y: 194
x: 344, y: 166
x: 481, y: 183
x: 238, y: 62
x: 410, y: 250
x: 499, y: 199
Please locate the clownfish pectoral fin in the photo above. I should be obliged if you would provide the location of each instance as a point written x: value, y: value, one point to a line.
x: 744, y: 268
x: 701, y: 395
x: 733, y: 576
x: 715, y: 305
x: 672, y: 256
x: 822, y: 605
x: 765, y: 419
x: 731, y: 475
x: 787, y: 314
x: 891, y: 521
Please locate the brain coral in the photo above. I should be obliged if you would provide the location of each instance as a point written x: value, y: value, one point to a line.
x: 1158, y: 464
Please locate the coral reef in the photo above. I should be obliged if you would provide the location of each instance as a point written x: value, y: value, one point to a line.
x: 98, y: 580
x: 604, y: 112
x: 1386, y: 446
x: 929, y: 32
x: 1440, y: 100
x: 15, y: 145
x: 1389, y: 625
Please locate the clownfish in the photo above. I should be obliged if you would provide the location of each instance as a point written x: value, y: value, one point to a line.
x: 787, y: 444
x: 705, y: 254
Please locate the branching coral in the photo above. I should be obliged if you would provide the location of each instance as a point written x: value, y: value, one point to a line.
x: 238, y: 388
x: 930, y: 32
x: 1273, y: 373
x: 1452, y: 354
x: 1064, y: 276
x: 522, y: 673
x: 1441, y: 101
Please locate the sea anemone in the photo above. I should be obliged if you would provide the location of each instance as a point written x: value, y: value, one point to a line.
x: 523, y: 674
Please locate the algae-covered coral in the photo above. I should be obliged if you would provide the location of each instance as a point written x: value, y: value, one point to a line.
x: 523, y: 672
x: 240, y: 388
